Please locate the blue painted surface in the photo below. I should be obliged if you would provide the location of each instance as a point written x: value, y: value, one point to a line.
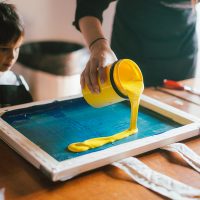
x: 56, y: 125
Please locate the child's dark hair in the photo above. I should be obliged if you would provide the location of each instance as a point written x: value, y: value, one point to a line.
x: 11, y: 24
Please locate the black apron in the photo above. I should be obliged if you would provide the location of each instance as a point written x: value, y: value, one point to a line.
x: 159, y: 36
x: 11, y: 95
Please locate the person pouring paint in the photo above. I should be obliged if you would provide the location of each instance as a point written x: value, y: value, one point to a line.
x: 160, y: 36
x: 13, y: 88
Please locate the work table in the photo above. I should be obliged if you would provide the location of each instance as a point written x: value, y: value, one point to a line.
x: 23, y: 182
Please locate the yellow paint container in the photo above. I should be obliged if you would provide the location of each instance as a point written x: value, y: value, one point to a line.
x: 112, y: 91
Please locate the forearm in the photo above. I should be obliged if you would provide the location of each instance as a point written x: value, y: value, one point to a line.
x: 100, y: 53
x: 91, y: 29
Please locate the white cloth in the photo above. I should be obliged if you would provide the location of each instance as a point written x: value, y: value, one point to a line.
x: 186, y: 153
x: 8, y: 78
x: 157, y: 182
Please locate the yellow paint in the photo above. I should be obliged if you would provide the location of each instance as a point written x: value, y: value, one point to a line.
x: 130, y: 84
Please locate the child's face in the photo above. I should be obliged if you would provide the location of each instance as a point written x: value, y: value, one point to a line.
x: 9, y: 54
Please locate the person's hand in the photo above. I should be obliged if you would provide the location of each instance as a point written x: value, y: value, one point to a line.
x: 101, y: 56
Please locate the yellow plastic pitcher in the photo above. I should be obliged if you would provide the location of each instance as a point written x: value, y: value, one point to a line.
x: 111, y: 91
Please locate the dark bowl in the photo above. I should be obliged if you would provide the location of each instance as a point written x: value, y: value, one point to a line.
x: 54, y: 57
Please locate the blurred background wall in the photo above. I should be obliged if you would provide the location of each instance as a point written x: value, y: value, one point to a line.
x: 52, y: 19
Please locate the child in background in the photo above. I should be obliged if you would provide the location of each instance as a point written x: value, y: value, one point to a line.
x: 13, y: 88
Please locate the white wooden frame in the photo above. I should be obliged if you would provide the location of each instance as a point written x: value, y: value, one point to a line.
x: 69, y: 168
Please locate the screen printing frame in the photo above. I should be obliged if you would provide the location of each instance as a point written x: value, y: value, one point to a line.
x: 67, y: 169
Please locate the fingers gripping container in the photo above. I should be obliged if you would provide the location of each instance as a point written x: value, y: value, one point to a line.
x: 112, y: 90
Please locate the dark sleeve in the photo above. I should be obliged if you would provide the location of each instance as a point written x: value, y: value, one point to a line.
x: 90, y: 8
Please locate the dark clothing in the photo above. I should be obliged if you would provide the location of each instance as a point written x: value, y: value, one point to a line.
x: 11, y: 95
x: 90, y: 8
x: 160, y: 36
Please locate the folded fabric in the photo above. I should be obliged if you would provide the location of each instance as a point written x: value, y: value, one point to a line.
x: 186, y: 153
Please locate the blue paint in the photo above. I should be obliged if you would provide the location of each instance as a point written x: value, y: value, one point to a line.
x: 55, y: 125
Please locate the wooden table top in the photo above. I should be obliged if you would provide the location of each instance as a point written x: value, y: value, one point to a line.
x: 24, y: 182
